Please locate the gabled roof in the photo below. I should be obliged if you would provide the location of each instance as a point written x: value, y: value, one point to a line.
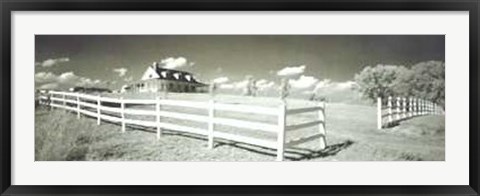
x: 175, y: 75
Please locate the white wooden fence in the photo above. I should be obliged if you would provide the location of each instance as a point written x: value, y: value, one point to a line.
x: 393, y: 110
x: 98, y: 107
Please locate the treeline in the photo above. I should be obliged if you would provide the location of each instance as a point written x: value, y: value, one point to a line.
x: 424, y: 80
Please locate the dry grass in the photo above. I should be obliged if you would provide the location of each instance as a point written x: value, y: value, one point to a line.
x: 59, y: 136
x: 352, y: 136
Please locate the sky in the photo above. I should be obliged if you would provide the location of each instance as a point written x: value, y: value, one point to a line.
x: 111, y: 61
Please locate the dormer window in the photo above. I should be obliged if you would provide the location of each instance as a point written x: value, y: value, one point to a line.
x: 188, y: 77
x: 176, y: 75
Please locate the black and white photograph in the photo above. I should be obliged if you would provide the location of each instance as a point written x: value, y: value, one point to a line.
x: 253, y: 98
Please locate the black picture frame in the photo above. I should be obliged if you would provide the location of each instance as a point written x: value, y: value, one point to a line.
x: 8, y: 6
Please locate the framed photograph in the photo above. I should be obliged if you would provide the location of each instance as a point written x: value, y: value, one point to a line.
x: 233, y: 97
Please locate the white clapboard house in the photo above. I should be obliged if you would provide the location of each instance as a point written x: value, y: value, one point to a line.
x: 158, y: 79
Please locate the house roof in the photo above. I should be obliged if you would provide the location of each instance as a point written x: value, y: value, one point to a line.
x: 175, y: 75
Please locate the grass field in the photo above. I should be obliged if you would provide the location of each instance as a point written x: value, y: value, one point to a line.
x: 351, y: 136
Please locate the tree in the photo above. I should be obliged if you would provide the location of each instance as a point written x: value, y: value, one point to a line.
x: 425, y: 80
x: 284, y: 88
x: 379, y: 81
x: 250, y: 88
x: 428, y: 81
x: 212, y: 89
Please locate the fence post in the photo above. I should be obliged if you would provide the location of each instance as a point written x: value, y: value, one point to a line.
x: 427, y: 107
x: 424, y: 104
x: 420, y: 107
x: 423, y: 107
x: 379, y: 113
x: 414, y: 106
x: 78, y: 106
x: 390, y: 113
x: 98, y: 109
x: 397, y: 115
x: 410, y: 107
x: 157, y: 112
x: 281, y: 130
x: 211, y: 123
x: 404, y: 107
x: 430, y: 107
x: 122, y: 113
x: 322, y: 126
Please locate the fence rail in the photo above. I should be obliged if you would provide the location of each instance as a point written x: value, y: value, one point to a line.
x: 97, y: 107
x: 391, y: 111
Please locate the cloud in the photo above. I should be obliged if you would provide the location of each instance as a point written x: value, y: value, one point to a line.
x: 173, y: 63
x: 68, y: 78
x: 327, y: 86
x: 45, y: 77
x: 227, y: 86
x: 346, y: 85
x: 337, y: 92
x: 234, y: 85
x: 325, y: 83
x: 52, y: 62
x: 121, y: 71
x: 288, y: 71
x: 241, y: 84
x: 65, y: 80
x: 128, y: 79
x: 220, y: 80
x: 303, y: 82
x: 261, y: 84
x: 49, y: 86
x: 264, y: 84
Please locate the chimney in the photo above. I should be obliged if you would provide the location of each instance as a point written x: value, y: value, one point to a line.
x: 155, y: 65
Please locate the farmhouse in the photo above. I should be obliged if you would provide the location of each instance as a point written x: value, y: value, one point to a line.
x: 156, y: 79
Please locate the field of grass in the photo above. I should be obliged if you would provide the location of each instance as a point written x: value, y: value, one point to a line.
x: 351, y: 136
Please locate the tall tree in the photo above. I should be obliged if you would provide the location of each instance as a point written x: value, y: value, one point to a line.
x: 428, y: 81
x: 424, y: 80
x: 378, y: 81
